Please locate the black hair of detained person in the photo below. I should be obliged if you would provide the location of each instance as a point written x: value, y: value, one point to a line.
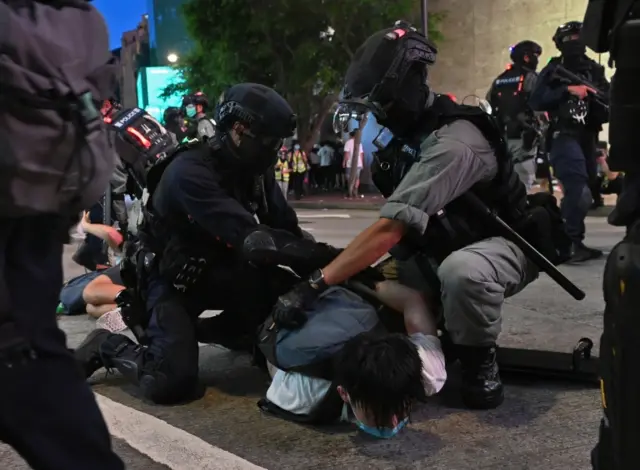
x: 382, y: 375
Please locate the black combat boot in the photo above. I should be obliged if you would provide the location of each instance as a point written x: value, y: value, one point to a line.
x: 88, y: 353
x: 124, y: 355
x: 582, y: 253
x: 481, y: 385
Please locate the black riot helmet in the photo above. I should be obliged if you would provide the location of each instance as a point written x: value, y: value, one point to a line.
x: 523, y: 49
x: 567, y: 40
x: 196, y: 98
x: 388, y: 77
x: 252, y: 121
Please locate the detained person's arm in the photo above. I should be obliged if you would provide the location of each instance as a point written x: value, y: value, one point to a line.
x: 452, y: 160
x: 420, y: 324
x: 104, y: 232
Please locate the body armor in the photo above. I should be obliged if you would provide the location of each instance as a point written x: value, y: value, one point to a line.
x: 574, y: 116
x: 456, y: 225
x: 509, y: 100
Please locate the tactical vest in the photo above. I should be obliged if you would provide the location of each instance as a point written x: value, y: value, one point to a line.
x: 574, y: 115
x: 509, y: 101
x: 159, y: 232
x: 456, y: 225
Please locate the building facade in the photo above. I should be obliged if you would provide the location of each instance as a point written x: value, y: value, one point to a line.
x: 167, y: 32
x: 478, y: 34
x: 134, y: 53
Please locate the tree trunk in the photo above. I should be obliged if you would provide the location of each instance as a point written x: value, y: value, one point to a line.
x: 355, y: 157
x: 316, y: 126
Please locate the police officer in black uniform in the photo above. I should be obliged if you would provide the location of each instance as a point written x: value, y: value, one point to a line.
x: 576, y: 120
x: 509, y: 99
x: 195, y: 107
x: 204, y: 200
x: 430, y: 179
x: 614, y: 26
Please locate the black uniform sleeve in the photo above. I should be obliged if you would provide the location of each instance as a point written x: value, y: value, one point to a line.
x: 601, y: 82
x: 547, y: 95
x: 281, y: 215
x: 201, y: 197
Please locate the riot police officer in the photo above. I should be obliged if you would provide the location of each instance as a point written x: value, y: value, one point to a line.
x: 199, y: 126
x: 204, y: 200
x: 428, y: 178
x: 613, y: 26
x: 509, y: 99
x: 576, y: 120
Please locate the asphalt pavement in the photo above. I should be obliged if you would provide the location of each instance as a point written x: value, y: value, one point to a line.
x: 541, y: 425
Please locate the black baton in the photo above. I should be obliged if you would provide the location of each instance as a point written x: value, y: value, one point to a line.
x: 530, y: 252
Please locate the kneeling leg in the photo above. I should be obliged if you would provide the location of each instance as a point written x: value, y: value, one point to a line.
x: 475, y: 282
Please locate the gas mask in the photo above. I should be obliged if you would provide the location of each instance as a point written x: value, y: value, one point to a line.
x: 573, y: 49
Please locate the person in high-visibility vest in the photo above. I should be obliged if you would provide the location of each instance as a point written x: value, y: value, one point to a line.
x: 299, y: 167
x: 283, y: 170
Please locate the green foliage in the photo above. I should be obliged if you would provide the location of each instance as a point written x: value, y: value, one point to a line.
x: 278, y: 43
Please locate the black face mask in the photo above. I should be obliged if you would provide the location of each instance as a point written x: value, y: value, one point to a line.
x: 403, y: 113
x: 533, y: 63
x: 573, y: 49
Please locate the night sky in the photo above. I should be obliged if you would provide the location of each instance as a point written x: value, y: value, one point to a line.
x: 121, y: 16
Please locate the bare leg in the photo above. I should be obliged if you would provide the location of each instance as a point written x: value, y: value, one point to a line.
x: 96, y: 311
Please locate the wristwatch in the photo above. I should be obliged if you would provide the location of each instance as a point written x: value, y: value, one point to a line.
x: 316, y: 280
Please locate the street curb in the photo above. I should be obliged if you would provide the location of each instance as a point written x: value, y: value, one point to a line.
x: 319, y: 205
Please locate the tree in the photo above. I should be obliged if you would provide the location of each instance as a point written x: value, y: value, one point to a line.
x: 301, y: 48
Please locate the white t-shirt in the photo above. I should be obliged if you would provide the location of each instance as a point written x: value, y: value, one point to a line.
x: 299, y: 394
x: 348, y: 147
x: 326, y: 155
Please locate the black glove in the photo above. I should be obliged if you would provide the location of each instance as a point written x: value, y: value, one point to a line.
x: 289, y: 311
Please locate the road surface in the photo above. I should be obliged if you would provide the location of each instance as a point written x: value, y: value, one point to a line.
x: 540, y: 426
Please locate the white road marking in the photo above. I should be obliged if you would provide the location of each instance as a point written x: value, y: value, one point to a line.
x: 166, y: 444
x: 323, y: 216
